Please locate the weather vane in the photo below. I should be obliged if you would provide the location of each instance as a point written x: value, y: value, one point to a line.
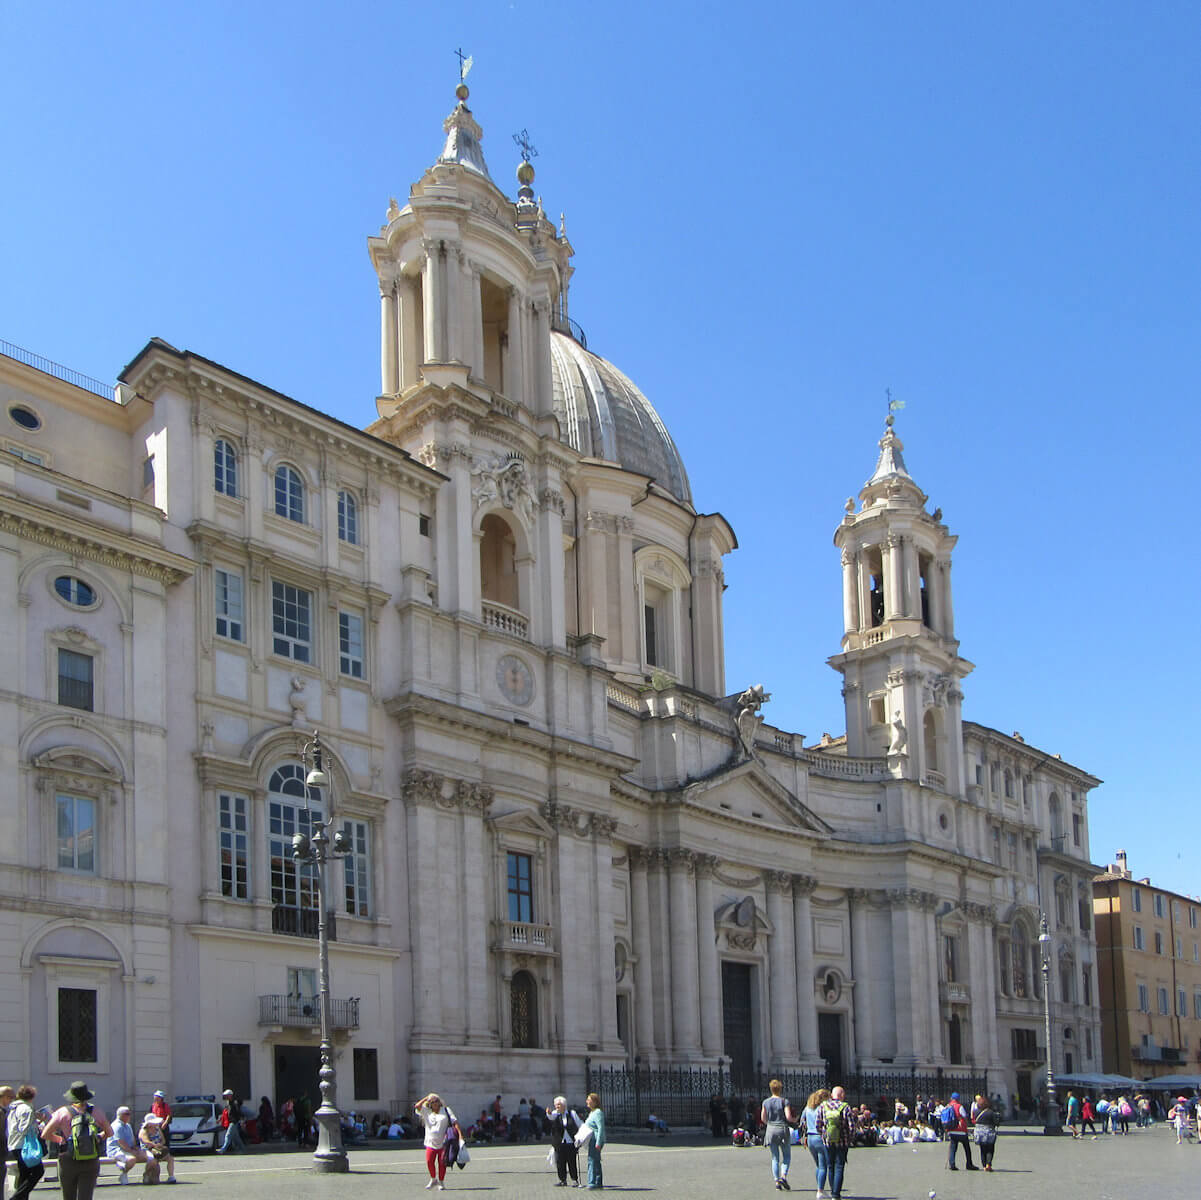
x: 893, y: 405
x: 528, y: 150
x: 465, y: 61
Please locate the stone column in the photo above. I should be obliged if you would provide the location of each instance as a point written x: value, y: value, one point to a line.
x: 865, y: 1036
x: 908, y: 949
x: 894, y: 597
x: 422, y: 789
x: 432, y: 273
x: 388, y: 347
x: 850, y: 594
x: 660, y: 949
x: 781, y: 964
x: 948, y: 611
x: 708, y: 965
x: 803, y: 886
x: 603, y: 828
x: 685, y: 1014
x: 864, y: 575
x: 474, y: 798
x: 408, y: 332
x: 934, y: 596
x: 640, y: 926
x: 541, y: 398
x: 513, y: 378
x: 455, y: 349
x: 909, y: 578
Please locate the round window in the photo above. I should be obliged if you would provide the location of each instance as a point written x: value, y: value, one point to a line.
x: 25, y: 417
x: 75, y: 591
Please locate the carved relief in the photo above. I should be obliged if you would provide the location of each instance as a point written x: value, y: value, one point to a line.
x: 679, y: 859
x: 779, y: 882
x: 503, y: 478
x: 741, y: 941
x: 748, y: 718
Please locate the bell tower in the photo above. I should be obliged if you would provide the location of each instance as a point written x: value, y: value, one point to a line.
x: 900, y: 659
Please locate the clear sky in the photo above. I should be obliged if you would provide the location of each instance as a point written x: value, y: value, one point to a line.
x: 779, y: 210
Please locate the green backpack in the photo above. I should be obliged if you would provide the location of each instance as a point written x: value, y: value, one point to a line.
x: 85, y: 1136
x: 834, y: 1118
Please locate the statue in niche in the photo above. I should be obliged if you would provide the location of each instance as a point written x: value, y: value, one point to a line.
x: 900, y: 738
x: 748, y: 717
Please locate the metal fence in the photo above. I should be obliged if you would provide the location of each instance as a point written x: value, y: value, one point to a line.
x: 683, y: 1095
x: 96, y: 386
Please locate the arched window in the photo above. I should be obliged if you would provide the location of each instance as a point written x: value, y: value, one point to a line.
x: 225, y: 468
x: 523, y: 1000
x: 289, y: 494
x: 1055, y: 812
x: 930, y: 736
x: 348, y: 518
x: 498, y: 562
x: 1021, y: 962
x: 293, y: 887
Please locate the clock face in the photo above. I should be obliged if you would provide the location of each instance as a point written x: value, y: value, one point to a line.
x: 515, y: 679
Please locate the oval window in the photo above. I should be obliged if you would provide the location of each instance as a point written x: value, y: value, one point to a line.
x: 75, y: 591
x: 25, y: 417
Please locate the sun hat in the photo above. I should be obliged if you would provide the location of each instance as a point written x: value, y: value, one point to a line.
x: 78, y: 1092
x: 160, y: 1095
x: 151, y: 1119
x: 228, y: 1092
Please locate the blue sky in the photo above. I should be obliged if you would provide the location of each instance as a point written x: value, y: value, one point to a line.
x: 778, y: 211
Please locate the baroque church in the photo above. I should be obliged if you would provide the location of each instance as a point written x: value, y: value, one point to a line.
x: 568, y: 838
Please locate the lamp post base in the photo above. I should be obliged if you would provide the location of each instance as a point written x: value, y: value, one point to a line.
x: 330, y: 1156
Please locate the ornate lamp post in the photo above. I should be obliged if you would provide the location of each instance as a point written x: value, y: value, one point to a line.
x: 1051, y: 1123
x: 315, y: 850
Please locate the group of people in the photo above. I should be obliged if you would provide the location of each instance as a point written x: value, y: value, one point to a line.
x: 567, y: 1130
x: 82, y: 1134
x: 829, y: 1128
x: 1110, y: 1114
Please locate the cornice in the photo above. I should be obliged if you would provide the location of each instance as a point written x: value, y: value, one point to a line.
x: 108, y: 547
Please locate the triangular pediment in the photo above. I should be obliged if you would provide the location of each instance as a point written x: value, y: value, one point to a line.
x: 522, y: 820
x: 746, y: 790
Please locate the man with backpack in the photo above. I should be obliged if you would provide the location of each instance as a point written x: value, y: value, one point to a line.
x: 77, y: 1128
x: 834, y: 1123
x: 954, y: 1120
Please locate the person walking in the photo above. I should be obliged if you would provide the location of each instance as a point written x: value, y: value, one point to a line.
x: 1073, y: 1114
x: 564, y: 1123
x: 776, y: 1115
x: 437, y: 1120
x: 1086, y: 1116
x: 834, y: 1123
x: 593, y: 1133
x: 21, y: 1122
x: 813, y: 1140
x: 985, y: 1131
x: 77, y: 1127
x: 957, y: 1135
x: 231, y: 1116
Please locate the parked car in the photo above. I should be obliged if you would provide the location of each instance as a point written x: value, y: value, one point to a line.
x: 194, y: 1123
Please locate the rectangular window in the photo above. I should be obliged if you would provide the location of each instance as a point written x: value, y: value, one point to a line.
x: 1197, y: 1006
x: 1181, y: 1002
x: 291, y: 621
x: 350, y: 645
x: 1075, y: 829
x: 1192, y: 918
x: 227, y: 601
x: 979, y: 772
x: 1087, y: 992
x: 423, y: 524
x: 1012, y: 840
x: 996, y: 845
x: 148, y: 473
x: 1138, y: 937
x: 75, y: 680
x: 951, y: 958
x: 1180, y: 947
x: 77, y: 1025
x: 1158, y: 942
x: 1025, y: 1044
x: 1159, y: 905
x: 521, y: 892
x: 293, y: 887
x: 1161, y: 997
x: 1144, y: 998
x: 1084, y: 912
x: 366, y: 1075
x: 1088, y: 1044
x: 235, y: 851
x: 1136, y: 899
x: 358, y: 869
x: 76, y: 833
x: 649, y: 620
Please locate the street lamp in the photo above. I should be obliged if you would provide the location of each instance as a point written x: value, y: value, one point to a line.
x: 314, y: 849
x: 1051, y: 1123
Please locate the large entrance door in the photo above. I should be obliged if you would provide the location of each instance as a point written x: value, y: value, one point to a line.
x: 296, y: 1070
x: 736, y: 1020
x: 829, y: 1044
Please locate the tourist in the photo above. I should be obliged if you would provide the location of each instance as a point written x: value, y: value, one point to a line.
x: 266, y: 1119
x: 229, y: 1121
x: 564, y: 1123
x: 777, y: 1115
x: 1124, y: 1113
x: 77, y: 1127
x: 834, y: 1122
x: 1073, y: 1114
x: 437, y: 1120
x: 7, y: 1096
x: 161, y: 1109
x: 123, y: 1146
x: 21, y: 1120
x: 523, y: 1120
x: 154, y: 1141
x: 592, y: 1134
x: 1086, y: 1116
x: 985, y: 1132
x: 957, y: 1135
x: 813, y: 1139
x: 1178, y: 1116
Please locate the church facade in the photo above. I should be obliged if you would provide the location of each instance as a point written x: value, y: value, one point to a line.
x: 499, y: 604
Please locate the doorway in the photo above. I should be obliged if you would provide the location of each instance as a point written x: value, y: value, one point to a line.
x: 736, y: 1021
x: 829, y: 1044
x: 296, y: 1069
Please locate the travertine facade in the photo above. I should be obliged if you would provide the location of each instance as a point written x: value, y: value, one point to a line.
x: 503, y: 611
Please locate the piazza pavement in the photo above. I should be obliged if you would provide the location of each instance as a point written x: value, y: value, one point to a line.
x: 1147, y: 1163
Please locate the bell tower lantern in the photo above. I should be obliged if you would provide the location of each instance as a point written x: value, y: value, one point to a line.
x: 900, y: 659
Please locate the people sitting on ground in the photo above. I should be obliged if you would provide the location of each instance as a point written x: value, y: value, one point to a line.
x: 396, y: 1129
x: 481, y: 1131
x: 501, y: 1131
x: 927, y: 1133
x: 657, y: 1125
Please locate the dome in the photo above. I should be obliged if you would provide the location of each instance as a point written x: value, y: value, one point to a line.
x: 603, y: 415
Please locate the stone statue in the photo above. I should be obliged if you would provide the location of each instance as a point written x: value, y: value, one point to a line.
x: 296, y: 702
x: 900, y: 738
x: 748, y: 718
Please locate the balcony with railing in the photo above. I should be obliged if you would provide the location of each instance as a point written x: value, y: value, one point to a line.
x: 305, y: 1012
x: 504, y: 619
x: 301, y: 922
x: 525, y: 937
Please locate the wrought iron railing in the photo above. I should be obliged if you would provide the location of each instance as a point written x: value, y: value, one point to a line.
x: 306, y: 1011
x: 683, y: 1095
x: 96, y: 386
x: 301, y: 922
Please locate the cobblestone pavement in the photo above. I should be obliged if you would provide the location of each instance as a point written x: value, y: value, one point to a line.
x: 1147, y: 1163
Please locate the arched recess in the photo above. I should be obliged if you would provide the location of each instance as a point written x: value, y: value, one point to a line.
x: 498, y: 562
x: 664, y: 584
x: 505, y: 571
x: 1055, y: 820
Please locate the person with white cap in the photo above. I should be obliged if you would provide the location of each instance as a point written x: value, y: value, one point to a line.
x: 161, y: 1108
x: 231, y: 1120
x: 122, y: 1147
x: 154, y: 1142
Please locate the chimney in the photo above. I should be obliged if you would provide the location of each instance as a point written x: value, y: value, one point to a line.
x: 1122, y: 870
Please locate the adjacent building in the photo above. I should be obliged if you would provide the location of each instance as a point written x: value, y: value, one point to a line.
x: 571, y: 838
x: 1149, y: 961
